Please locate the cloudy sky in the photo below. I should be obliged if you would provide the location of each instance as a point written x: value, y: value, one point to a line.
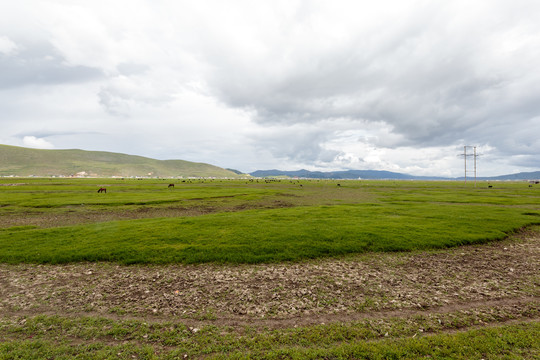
x: 322, y: 85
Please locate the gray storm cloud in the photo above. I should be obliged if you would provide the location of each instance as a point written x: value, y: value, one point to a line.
x: 41, y: 65
x: 298, y: 144
x: 431, y: 75
x: 317, y: 84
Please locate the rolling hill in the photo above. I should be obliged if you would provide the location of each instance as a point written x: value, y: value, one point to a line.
x: 21, y: 161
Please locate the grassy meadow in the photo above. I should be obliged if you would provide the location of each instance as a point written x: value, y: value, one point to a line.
x: 241, y: 221
x: 362, y: 340
x: 16, y: 160
x: 255, y: 269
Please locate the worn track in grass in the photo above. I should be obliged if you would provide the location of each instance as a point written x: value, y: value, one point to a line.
x: 501, y: 275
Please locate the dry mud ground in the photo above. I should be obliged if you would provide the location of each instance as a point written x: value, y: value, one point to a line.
x: 488, y: 284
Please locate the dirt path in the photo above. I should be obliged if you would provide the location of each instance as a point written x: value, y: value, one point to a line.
x: 502, y: 277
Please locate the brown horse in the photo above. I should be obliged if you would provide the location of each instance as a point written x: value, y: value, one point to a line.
x: 171, y: 186
x: 102, y: 190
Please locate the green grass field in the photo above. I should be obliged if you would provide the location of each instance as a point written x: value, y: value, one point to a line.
x: 474, y: 302
x: 364, y: 340
x: 250, y: 221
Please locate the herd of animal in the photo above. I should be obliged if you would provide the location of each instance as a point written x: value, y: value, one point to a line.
x: 104, y: 190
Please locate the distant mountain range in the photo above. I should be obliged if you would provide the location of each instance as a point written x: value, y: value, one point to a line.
x: 21, y: 161
x: 379, y: 175
x: 349, y: 174
x: 535, y: 175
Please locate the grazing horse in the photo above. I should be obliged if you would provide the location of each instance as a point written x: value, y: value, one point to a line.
x: 171, y: 186
x: 102, y: 190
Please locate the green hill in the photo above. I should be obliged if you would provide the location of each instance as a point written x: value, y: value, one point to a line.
x: 21, y: 161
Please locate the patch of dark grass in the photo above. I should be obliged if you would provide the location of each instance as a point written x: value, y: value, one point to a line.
x: 320, y: 220
x: 258, y: 236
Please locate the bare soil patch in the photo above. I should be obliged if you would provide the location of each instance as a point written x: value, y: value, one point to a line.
x: 75, y: 217
x: 501, y: 276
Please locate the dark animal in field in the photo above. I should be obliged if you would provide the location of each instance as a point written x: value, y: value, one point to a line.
x: 490, y: 186
x: 171, y: 186
x: 102, y: 190
x: 338, y: 184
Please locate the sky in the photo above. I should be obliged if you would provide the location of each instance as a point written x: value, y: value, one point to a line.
x: 320, y: 85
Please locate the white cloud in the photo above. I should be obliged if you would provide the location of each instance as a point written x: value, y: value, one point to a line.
x: 7, y: 46
x: 34, y: 142
x: 392, y: 85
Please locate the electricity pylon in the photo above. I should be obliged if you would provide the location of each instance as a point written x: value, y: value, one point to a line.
x: 465, y: 155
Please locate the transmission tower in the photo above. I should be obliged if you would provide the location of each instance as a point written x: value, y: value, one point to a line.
x: 474, y: 155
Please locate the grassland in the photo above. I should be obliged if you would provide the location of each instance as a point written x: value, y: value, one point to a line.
x: 20, y: 161
x: 268, y: 269
x: 254, y: 222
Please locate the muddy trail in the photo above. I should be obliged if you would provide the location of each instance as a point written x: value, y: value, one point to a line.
x: 499, y: 281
